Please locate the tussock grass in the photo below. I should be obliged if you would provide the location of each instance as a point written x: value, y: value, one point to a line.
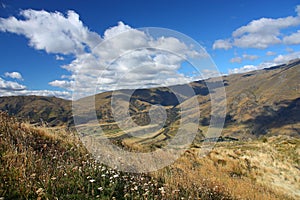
x: 52, y: 163
x: 220, y: 175
x: 37, y: 163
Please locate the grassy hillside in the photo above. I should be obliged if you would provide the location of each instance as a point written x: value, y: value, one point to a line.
x: 40, y: 163
x: 37, y: 109
x: 262, y: 169
x: 51, y: 163
x: 264, y: 102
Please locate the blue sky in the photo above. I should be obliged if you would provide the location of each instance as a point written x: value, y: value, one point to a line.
x: 240, y: 36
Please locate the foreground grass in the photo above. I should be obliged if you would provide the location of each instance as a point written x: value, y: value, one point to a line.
x: 266, y: 168
x: 43, y: 163
x: 223, y: 175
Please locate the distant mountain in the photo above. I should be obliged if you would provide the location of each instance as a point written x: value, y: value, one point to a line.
x: 263, y: 102
x: 38, y: 109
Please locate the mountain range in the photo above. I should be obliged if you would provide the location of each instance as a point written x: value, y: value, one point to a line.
x: 259, y: 103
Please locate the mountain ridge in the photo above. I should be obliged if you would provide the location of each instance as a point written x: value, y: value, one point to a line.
x: 262, y: 102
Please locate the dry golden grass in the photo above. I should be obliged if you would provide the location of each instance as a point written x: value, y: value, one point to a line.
x: 237, y: 171
x: 267, y: 168
x: 43, y: 163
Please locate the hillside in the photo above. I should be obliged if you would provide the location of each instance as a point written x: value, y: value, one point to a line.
x: 263, y: 102
x: 40, y: 163
x: 38, y: 109
x: 51, y: 163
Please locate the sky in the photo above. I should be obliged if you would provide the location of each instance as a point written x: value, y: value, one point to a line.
x: 51, y: 47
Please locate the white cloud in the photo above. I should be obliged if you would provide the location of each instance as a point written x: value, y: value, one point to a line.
x: 127, y: 59
x: 60, y: 94
x: 257, y: 40
x: 14, y: 75
x: 11, y: 88
x: 116, y: 30
x: 244, y: 57
x: 10, y: 85
x: 52, y: 32
x: 270, y: 53
x: 222, y: 44
x: 207, y: 73
x: 57, y: 57
x: 262, y: 33
x: 123, y: 58
x: 62, y: 84
x: 243, y: 69
x: 250, y: 57
x: 236, y: 60
x: 293, y: 38
x: 280, y: 59
x: 248, y: 68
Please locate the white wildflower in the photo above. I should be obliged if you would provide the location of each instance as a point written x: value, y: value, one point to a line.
x: 116, y: 175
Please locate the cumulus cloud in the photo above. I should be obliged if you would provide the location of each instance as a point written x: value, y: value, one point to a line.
x: 62, y: 84
x: 10, y: 85
x: 12, y: 88
x: 122, y: 58
x: 52, y: 32
x: 60, y: 94
x: 248, y: 68
x: 222, y: 44
x: 278, y: 60
x: 116, y: 30
x: 129, y: 58
x: 262, y: 33
x: 293, y: 38
x: 243, y: 69
x: 13, y: 75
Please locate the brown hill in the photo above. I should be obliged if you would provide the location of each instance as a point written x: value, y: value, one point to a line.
x: 50, y: 163
x: 38, y: 109
x: 263, y: 102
